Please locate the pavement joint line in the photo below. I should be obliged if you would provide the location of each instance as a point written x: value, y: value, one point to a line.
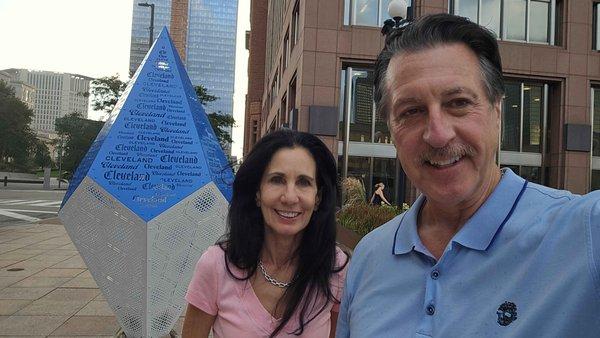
x: 19, y: 216
x: 23, y: 202
x: 36, y: 211
x: 11, y: 201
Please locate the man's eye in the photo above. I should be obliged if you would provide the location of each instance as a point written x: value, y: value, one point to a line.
x: 411, y: 111
x: 459, y: 103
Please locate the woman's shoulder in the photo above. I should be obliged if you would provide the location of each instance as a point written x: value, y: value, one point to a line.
x: 213, y: 254
x: 341, y: 258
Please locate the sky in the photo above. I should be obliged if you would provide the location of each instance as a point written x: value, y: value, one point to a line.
x: 91, y: 38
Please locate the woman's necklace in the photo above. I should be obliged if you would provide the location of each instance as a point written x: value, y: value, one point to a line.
x: 270, y: 279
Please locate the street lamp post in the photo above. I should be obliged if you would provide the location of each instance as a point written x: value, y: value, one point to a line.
x: 401, y: 14
x: 145, y: 4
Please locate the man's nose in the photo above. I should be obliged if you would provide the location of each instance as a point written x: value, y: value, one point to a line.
x: 440, y: 129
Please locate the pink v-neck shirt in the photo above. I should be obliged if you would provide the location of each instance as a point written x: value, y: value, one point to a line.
x: 238, y: 310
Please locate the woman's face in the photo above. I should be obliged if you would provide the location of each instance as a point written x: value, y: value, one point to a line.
x: 288, y: 192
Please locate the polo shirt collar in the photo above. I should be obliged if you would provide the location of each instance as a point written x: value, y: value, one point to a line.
x: 480, y: 230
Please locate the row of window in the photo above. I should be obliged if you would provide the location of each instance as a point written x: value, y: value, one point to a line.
x: 523, y: 139
x: 531, y: 21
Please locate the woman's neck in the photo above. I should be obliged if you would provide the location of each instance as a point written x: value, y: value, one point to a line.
x: 279, y: 251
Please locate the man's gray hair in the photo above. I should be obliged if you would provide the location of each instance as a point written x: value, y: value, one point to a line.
x: 435, y: 30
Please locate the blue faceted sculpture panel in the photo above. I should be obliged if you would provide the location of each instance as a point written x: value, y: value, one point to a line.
x: 157, y: 147
x: 150, y: 196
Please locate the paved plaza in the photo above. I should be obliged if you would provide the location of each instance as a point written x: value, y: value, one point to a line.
x: 45, y: 287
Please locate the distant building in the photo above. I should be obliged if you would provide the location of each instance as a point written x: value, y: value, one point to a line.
x: 23, y: 91
x: 204, y: 32
x: 56, y: 95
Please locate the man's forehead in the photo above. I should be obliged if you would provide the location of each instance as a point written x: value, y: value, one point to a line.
x: 454, y: 60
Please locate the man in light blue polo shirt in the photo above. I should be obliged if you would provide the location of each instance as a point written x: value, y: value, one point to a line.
x: 482, y: 252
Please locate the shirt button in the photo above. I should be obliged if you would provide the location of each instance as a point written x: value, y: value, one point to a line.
x: 435, y: 274
x: 430, y: 309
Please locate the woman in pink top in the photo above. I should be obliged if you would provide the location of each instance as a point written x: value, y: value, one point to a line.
x: 278, y: 271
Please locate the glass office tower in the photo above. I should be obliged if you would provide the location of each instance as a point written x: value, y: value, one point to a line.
x: 210, y: 47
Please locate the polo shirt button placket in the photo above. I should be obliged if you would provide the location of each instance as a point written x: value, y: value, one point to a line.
x: 435, y: 274
x: 430, y: 309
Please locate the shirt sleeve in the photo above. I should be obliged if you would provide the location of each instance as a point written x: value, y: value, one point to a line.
x: 343, y: 329
x: 204, y: 287
x: 594, y: 229
x: 338, y: 280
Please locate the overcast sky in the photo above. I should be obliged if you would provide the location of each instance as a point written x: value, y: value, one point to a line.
x: 91, y: 38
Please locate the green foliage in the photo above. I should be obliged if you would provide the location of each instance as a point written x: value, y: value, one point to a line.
x: 363, y: 218
x: 76, y: 136
x: 17, y: 140
x: 354, y: 191
x: 203, y: 95
x: 41, y: 155
x: 106, y: 92
x: 359, y: 216
x: 221, y: 125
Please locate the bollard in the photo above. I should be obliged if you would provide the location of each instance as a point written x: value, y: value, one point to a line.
x: 5, y: 181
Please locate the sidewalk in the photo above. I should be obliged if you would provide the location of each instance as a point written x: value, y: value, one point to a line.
x: 45, y: 287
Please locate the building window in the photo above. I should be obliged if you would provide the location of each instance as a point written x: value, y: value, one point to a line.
x: 295, y: 25
x: 595, y: 174
x: 358, y: 109
x: 522, y: 136
x: 286, y: 50
x: 364, y: 143
x: 596, y: 27
x: 366, y: 12
x: 517, y: 20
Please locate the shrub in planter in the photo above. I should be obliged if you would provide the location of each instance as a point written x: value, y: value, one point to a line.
x: 362, y: 218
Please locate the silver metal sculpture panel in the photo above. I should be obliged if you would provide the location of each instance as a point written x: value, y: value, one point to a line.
x: 150, y: 195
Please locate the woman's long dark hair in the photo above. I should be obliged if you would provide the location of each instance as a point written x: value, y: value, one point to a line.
x: 316, y: 254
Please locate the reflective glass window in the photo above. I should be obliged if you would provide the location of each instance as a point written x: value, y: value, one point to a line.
x: 490, y: 15
x: 539, y: 14
x: 596, y: 124
x: 365, y: 12
x: 515, y: 12
x: 467, y: 8
x: 595, y: 180
x: 511, y: 117
x: 532, y: 118
x: 383, y: 10
x: 361, y: 105
x: 532, y: 174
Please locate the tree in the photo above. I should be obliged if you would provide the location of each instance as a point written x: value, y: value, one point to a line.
x: 41, y: 154
x: 78, y: 135
x: 16, y: 137
x: 106, y: 92
x: 220, y: 123
x: 203, y: 96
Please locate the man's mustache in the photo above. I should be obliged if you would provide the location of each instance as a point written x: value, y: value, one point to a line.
x: 447, y: 152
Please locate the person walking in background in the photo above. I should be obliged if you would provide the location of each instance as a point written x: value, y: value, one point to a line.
x: 378, y: 197
x: 278, y: 271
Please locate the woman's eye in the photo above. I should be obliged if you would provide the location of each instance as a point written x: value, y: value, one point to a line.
x: 277, y: 179
x: 304, y: 182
